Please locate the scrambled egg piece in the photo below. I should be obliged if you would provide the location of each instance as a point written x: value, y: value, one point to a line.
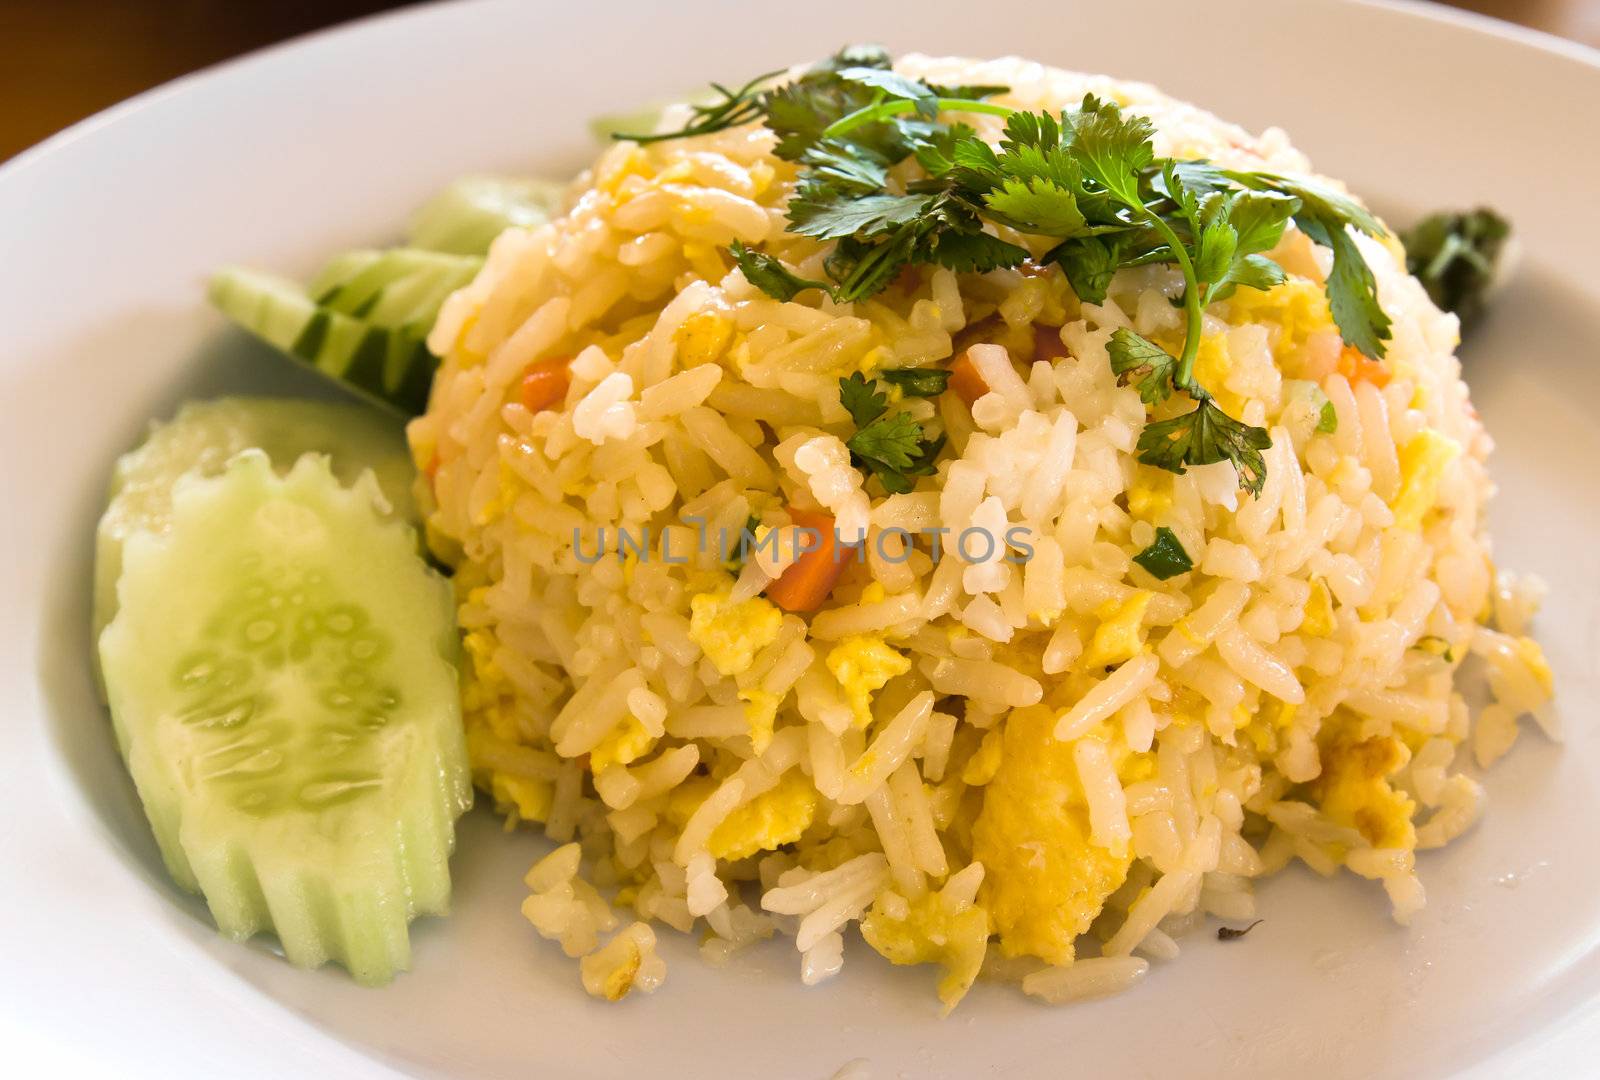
x: 1151, y: 494
x: 1045, y: 881
x: 626, y: 742
x: 1354, y: 788
x: 775, y: 817
x: 1298, y: 307
x: 705, y: 335
x: 927, y: 931
x: 530, y: 798
x: 1530, y: 653
x: 761, y: 712
x: 1422, y: 463
x: 1267, y: 724
x: 1318, y: 619
x: 982, y: 765
x: 864, y: 664
x: 1120, y: 636
x: 1212, y: 364
x: 731, y: 634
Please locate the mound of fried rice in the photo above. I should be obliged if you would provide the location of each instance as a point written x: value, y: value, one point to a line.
x: 1045, y: 770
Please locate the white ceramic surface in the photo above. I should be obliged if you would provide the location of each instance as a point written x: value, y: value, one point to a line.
x: 107, y: 233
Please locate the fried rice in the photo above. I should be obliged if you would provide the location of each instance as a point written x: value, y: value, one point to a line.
x: 1047, y: 768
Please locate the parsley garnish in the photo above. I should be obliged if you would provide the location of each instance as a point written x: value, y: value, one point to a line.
x: 1165, y: 557
x: 1089, y: 178
x: 891, y: 446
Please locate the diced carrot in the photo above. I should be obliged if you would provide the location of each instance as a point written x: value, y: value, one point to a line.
x: 1047, y: 344
x: 544, y: 385
x: 965, y: 380
x: 1358, y: 368
x: 809, y: 579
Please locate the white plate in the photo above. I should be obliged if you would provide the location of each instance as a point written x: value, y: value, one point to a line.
x: 107, y: 234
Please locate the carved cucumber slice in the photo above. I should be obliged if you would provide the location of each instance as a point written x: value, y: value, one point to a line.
x: 389, y: 365
x: 205, y: 434
x: 281, y: 679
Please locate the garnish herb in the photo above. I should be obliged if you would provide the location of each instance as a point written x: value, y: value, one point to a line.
x: 1327, y: 419
x: 1165, y: 557
x: 1228, y: 933
x: 891, y: 446
x: 733, y: 107
x: 1089, y: 179
x: 1456, y: 256
x: 917, y: 382
x: 1307, y: 395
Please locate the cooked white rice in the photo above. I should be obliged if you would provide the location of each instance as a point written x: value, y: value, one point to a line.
x: 1060, y: 757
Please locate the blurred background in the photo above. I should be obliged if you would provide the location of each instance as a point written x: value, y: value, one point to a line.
x: 63, y: 60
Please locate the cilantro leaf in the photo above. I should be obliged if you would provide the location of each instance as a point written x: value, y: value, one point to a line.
x: 1113, y: 149
x: 1203, y: 436
x: 833, y: 167
x: 892, y: 447
x: 1038, y: 206
x: 848, y: 215
x: 913, y: 90
x: 1455, y: 256
x: 769, y: 275
x: 1251, y: 271
x: 1259, y: 218
x: 1218, y: 240
x: 917, y: 382
x: 1323, y: 215
x: 893, y: 440
x: 1089, y: 262
x: 1165, y: 557
x: 861, y: 399
x: 900, y: 481
x: 975, y: 252
x: 1352, y: 290
x: 1137, y: 359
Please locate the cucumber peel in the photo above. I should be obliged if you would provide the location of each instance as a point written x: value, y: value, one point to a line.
x: 389, y: 365
x: 281, y: 673
x: 364, y: 320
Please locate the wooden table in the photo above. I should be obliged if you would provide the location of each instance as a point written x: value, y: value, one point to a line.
x: 62, y: 60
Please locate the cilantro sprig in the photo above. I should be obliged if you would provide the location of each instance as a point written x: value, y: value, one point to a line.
x: 1088, y: 179
x: 891, y: 446
x: 1456, y: 256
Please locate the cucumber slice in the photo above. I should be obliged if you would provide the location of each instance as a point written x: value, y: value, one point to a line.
x: 389, y: 365
x: 206, y: 434
x: 282, y: 685
x: 398, y: 287
x: 465, y: 217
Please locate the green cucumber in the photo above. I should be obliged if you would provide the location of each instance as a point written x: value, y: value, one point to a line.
x: 282, y: 683
x: 465, y: 217
x: 205, y: 434
x: 389, y: 365
x: 393, y: 288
